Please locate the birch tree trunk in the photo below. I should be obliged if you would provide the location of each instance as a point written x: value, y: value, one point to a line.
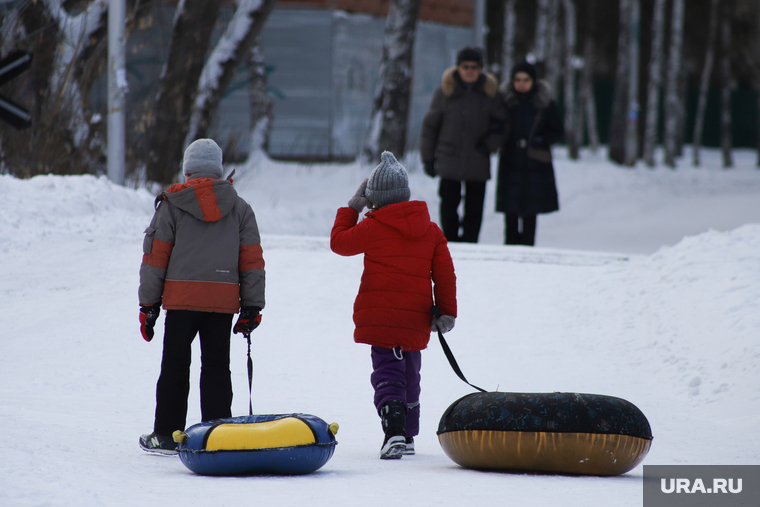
x: 554, y: 46
x: 704, y: 82
x: 655, y: 82
x: 727, y: 86
x: 632, y: 125
x: 672, y: 100
x: 571, y: 128
x: 232, y: 50
x: 260, y: 104
x: 391, y: 104
x: 193, y: 24
x: 587, y: 81
x: 539, y: 45
x: 508, y: 51
x: 619, y: 120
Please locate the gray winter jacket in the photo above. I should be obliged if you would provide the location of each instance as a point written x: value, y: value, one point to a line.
x: 202, y: 250
x: 463, y: 127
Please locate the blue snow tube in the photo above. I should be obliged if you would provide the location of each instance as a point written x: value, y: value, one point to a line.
x: 283, y: 444
x: 564, y: 433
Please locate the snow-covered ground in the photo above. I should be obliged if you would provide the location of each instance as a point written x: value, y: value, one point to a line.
x: 645, y: 286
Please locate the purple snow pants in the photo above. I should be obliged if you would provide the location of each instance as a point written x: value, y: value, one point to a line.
x: 398, y: 379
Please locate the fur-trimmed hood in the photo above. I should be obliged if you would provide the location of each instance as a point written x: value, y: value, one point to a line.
x: 541, y: 98
x: 449, y: 83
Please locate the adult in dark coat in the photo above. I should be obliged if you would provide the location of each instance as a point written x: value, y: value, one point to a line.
x: 460, y: 131
x: 525, y: 183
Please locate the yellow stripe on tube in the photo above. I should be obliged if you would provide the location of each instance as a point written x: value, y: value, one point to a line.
x: 286, y: 432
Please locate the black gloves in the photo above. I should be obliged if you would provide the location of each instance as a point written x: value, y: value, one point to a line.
x: 249, y: 319
x: 148, y: 316
x: 429, y: 168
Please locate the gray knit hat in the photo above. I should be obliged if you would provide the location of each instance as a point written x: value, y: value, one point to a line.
x: 388, y: 183
x: 203, y: 159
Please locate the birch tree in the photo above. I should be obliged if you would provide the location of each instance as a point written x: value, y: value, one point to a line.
x: 632, y: 125
x: 654, y: 83
x: 232, y: 50
x: 571, y: 130
x: 390, y: 109
x: 554, y: 44
x: 587, y: 81
x: 191, y: 33
x: 704, y: 82
x: 542, y: 17
x: 620, y: 106
x: 727, y: 84
x: 508, y: 51
x: 259, y: 101
x: 673, y: 105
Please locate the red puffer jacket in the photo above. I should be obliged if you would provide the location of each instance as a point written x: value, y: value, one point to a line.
x: 403, y: 251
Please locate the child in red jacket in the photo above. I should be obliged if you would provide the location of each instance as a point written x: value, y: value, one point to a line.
x: 403, y: 252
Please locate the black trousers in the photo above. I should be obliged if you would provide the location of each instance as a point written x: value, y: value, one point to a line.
x: 174, y: 382
x: 450, y: 192
x: 516, y: 235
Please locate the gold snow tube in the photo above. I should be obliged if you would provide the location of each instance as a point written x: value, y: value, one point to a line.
x: 530, y: 451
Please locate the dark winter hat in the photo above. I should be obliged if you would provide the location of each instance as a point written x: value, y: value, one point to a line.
x: 526, y: 67
x: 470, y: 54
x: 203, y: 159
x: 388, y: 183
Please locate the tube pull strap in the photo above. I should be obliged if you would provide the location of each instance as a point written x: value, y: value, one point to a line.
x: 250, y: 376
x: 450, y: 355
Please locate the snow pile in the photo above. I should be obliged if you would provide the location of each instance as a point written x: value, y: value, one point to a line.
x: 74, y: 206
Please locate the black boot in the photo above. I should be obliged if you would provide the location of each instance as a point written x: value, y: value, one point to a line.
x: 393, y: 415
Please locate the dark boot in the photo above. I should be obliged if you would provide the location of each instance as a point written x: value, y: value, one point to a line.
x: 393, y: 416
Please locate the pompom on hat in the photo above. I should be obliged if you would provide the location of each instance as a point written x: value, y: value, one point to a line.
x: 388, y: 183
x: 203, y: 159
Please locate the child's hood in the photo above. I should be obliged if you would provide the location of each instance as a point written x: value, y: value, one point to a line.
x: 410, y: 218
x: 206, y: 199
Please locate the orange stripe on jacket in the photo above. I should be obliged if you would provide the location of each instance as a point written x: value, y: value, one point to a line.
x: 250, y: 257
x: 201, y: 296
x: 159, y: 254
x: 207, y: 200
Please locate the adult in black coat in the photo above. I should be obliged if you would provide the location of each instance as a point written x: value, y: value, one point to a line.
x: 459, y: 132
x: 525, y: 183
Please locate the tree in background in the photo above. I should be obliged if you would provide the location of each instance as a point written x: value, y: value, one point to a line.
x: 510, y: 32
x: 588, y: 99
x: 654, y: 83
x: 64, y: 137
x: 571, y: 131
x: 727, y: 84
x: 232, y: 51
x: 673, y: 105
x: 173, y: 105
x: 704, y: 82
x: 618, y: 124
x: 390, y: 110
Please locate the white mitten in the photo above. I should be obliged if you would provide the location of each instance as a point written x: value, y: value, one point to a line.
x: 358, y: 201
x: 444, y: 323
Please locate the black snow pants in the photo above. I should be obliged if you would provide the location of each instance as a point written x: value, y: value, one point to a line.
x: 173, y: 386
x: 450, y: 192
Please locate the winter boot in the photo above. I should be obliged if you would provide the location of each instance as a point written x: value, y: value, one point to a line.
x: 393, y: 416
x: 158, y: 444
x: 409, y: 448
